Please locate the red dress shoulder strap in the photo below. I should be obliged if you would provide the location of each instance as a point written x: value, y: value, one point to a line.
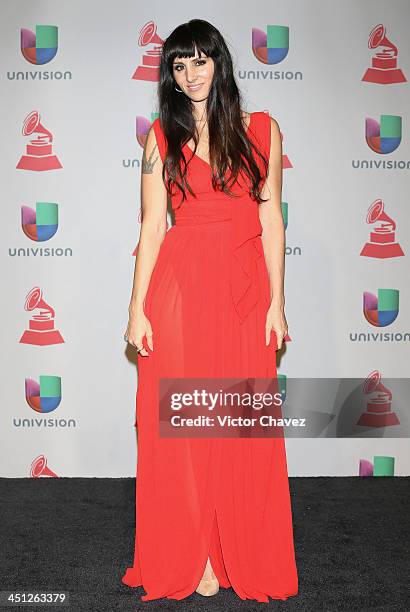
x: 260, y: 130
x: 161, y: 140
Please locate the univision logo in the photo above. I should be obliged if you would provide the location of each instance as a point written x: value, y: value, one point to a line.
x: 382, y: 466
x: 39, y: 48
x: 381, y: 311
x: 270, y: 47
x: 40, y: 224
x: 383, y: 137
x: 142, y: 127
x: 43, y: 397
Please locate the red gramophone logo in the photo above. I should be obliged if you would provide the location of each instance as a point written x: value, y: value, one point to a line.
x: 39, y: 151
x: 41, y: 330
x: 382, y: 243
x: 39, y: 468
x: 384, y: 69
x: 149, y: 71
x: 378, y: 411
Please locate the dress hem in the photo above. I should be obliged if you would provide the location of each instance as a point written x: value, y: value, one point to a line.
x: 187, y: 592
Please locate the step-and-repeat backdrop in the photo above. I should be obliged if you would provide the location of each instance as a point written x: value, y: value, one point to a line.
x: 78, y: 86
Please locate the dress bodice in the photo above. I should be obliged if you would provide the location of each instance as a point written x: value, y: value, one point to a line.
x: 210, y: 206
x: 199, y: 171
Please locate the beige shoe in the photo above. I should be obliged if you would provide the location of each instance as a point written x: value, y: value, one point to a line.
x: 209, y: 584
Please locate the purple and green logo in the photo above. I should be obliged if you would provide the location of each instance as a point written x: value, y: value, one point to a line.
x: 41, y: 47
x: 43, y: 397
x: 383, y: 137
x: 42, y: 223
x: 272, y: 46
x: 381, y: 466
x: 381, y: 310
x: 142, y: 127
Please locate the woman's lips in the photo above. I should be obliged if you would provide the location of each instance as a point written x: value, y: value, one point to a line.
x: 194, y: 87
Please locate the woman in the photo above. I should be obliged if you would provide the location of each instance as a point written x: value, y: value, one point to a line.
x: 207, y: 295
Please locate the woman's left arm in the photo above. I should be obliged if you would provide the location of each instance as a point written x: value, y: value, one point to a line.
x: 273, y: 238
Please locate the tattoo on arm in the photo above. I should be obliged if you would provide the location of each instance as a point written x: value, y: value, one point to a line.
x: 148, y: 164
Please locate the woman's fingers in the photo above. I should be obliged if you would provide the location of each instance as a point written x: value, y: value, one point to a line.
x: 136, y: 337
x: 278, y: 334
x: 142, y: 350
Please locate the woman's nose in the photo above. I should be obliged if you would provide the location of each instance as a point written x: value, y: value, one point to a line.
x: 191, y: 75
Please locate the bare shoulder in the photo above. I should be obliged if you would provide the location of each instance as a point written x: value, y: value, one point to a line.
x: 274, y: 126
x: 275, y: 135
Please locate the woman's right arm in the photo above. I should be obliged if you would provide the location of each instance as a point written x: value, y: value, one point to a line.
x: 153, y: 230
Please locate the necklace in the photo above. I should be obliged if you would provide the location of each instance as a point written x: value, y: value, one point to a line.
x: 201, y: 119
x: 203, y: 127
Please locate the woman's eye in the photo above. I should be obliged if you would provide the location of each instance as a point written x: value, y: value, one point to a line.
x: 179, y: 67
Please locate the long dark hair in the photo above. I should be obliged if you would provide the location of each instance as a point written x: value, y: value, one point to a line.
x: 229, y: 146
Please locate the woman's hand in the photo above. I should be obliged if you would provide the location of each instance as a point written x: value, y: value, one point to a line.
x: 138, y: 327
x: 276, y: 321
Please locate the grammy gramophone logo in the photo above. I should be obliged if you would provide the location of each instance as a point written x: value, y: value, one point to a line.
x: 41, y: 331
x: 149, y: 71
x: 378, y: 411
x: 39, y: 151
x: 39, y: 468
x: 384, y: 70
x: 382, y: 241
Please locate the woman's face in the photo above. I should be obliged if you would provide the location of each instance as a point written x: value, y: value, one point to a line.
x: 194, y: 75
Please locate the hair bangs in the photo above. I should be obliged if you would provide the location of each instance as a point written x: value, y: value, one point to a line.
x: 184, y: 42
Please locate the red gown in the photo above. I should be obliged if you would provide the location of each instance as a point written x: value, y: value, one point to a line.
x: 224, y: 497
